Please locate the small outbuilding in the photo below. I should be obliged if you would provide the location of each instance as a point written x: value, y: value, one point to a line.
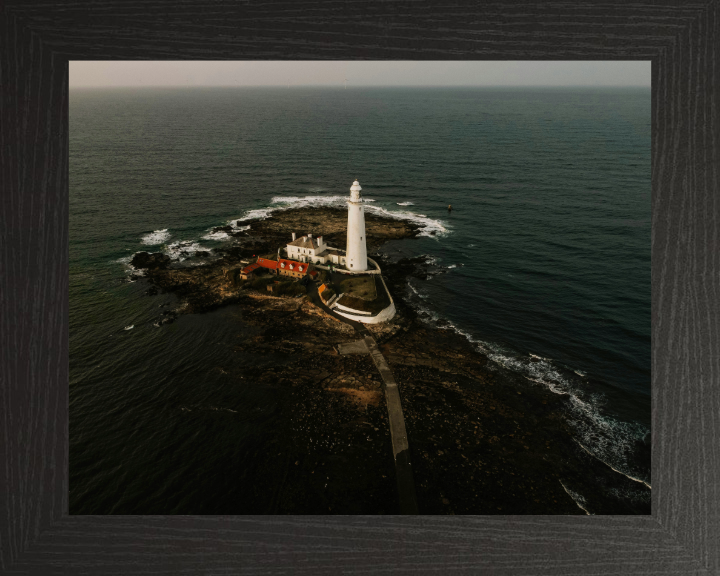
x: 249, y: 271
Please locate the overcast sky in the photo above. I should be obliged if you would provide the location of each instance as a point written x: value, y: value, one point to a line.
x: 358, y: 73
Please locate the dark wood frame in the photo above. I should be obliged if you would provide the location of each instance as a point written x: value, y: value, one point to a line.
x: 682, y: 39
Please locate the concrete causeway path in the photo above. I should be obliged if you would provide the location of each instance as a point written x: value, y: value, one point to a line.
x: 398, y: 434
x: 396, y: 419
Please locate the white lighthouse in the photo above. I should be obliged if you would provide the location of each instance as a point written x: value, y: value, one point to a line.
x: 356, y: 257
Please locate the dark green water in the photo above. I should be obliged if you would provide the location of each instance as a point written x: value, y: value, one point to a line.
x: 544, y: 261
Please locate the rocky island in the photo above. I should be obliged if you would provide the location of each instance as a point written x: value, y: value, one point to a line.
x: 483, y: 440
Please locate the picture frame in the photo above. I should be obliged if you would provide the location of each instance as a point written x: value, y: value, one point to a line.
x: 37, y: 536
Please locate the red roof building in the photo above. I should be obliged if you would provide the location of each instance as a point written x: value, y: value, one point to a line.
x: 293, y: 268
x: 269, y: 264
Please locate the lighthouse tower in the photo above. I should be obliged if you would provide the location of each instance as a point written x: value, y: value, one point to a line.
x: 356, y: 257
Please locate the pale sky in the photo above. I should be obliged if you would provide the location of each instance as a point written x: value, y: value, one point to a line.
x: 358, y: 73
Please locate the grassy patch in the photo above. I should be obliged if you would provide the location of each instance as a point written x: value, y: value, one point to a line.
x: 381, y: 302
x: 362, y: 287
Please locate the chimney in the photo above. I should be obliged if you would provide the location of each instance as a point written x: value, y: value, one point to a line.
x: 293, y: 234
x: 310, y: 236
x: 319, y: 240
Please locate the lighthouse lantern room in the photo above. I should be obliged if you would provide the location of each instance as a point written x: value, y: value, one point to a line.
x: 356, y: 257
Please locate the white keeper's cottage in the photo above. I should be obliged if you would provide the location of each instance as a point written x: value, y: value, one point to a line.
x: 315, y: 250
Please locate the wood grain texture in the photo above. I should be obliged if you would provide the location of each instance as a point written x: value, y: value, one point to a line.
x: 36, y: 42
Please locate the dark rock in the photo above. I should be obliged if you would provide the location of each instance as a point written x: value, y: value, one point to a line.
x: 152, y: 291
x: 150, y: 261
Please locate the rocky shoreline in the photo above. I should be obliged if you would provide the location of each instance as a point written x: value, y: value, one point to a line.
x: 483, y: 440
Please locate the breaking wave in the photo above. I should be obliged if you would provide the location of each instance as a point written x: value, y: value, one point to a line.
x: 611, y: 441
x: 257, y: 214
x: 183, y: 249
x: 405, y: 203
x: 156, y: 237
x: 130, y: 270
x: 428, y: 226
x: 577, y: 498
x: 417, y: 292
x: 217, y: 236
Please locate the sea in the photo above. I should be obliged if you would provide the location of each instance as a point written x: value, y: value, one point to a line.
x: 543, y: 262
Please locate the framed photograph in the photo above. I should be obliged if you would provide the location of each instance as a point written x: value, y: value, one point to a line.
x: 282, y: 311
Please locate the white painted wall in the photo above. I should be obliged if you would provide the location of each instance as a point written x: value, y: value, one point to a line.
x: 339, y: 307
x: 384, y: 316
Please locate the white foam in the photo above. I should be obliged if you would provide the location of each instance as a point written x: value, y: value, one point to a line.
x: 405, y: 203
x: 577, y: 498
x: 217, y: 236
x: 416, y: 292
x: 610, y: 440
x: 298, y: 201
x: 156, y: 237
x: 428, y: 226
x: 183, y: 249
x: 129, y: 268
x: 634, y: 494
x: 452, y: 266
x: 129, y: 327
x: 257, y: 214
x: 616, y: 470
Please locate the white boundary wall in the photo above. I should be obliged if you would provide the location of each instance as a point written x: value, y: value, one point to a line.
x: 351, y: 310
x: 383, y: 316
